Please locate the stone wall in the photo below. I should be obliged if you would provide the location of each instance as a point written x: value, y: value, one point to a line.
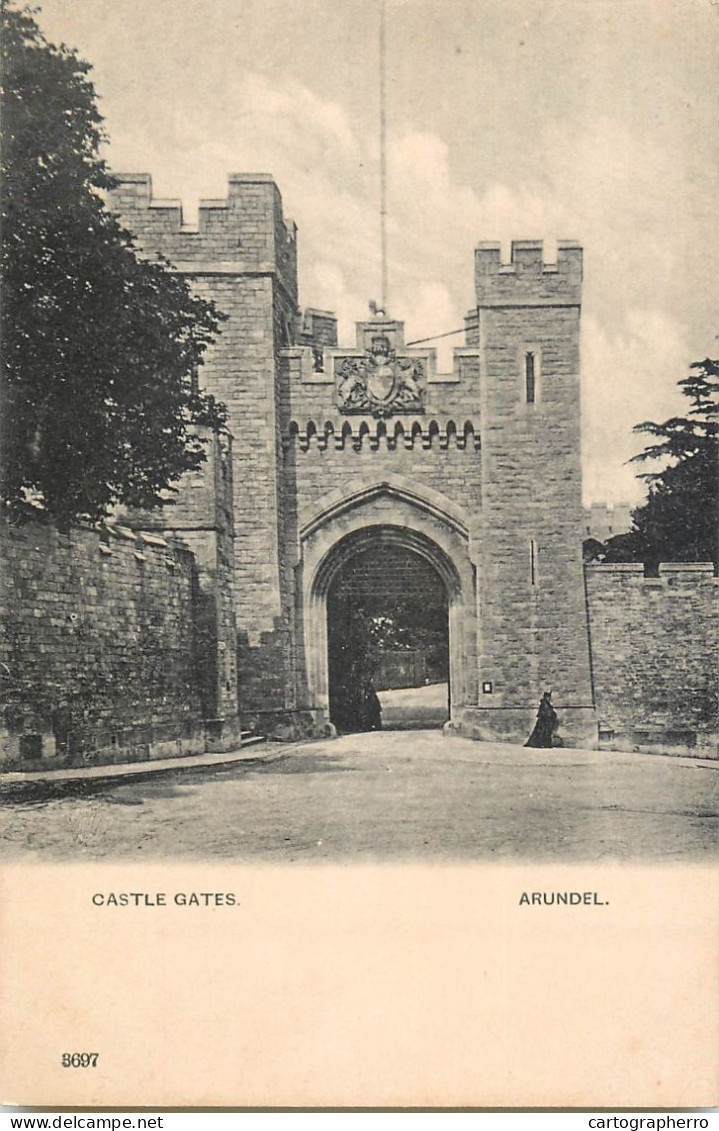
x: 98, y: 647
x: 452, y: 470
x: 655, y: 656
x: 201, y: 517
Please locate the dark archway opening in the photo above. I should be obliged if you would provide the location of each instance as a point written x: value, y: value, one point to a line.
x: 388, y: 642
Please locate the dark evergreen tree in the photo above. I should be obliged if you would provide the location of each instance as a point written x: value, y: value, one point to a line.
x: 593, y: 550
x: 679, y: 521
x: 100, y: 347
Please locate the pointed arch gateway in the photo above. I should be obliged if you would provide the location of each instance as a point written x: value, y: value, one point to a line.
x: 380, y: 521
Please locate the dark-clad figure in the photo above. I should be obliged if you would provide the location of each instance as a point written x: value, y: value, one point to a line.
x: 357, y: 706
x: 546, y: 724
x: 371, y: 708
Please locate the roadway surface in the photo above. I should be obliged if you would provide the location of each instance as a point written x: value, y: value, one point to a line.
x: 389, y: 795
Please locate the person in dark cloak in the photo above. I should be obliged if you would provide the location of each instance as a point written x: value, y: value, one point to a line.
x: 371, y: 709
x: 546, y: 724
x: 357, y: 706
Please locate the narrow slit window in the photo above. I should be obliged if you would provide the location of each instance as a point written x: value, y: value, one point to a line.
x: 530, y: 380
x: 532, y: 562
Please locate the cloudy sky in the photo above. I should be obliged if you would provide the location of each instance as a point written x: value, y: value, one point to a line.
x: 587, y: 119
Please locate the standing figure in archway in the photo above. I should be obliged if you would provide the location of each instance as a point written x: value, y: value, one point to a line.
x: 357, y: 706
x: 546, y: 724
x: 355, y: 703
x: 370, y: 707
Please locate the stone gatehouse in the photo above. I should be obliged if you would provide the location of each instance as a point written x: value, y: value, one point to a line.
x: 359, y: 488
x: 363, y: 451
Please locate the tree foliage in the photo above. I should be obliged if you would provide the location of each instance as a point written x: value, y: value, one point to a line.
x: 100, y: 347
x: 678, y: 522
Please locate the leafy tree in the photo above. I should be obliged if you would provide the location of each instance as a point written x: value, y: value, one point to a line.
x: 679, y: 521
x: 100, y: 347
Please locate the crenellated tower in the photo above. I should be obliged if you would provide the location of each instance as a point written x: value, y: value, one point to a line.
x: 532, y: 611
x: 242, y: 255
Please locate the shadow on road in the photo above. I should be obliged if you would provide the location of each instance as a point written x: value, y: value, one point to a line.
x: 165, y: 783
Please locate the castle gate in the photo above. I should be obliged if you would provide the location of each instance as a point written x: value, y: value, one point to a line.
x: 387, y: 629
x: 367, y: 449
x: 384, y: 526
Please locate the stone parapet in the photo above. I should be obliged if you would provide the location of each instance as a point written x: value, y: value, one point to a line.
x: 245, y: 233
x: 528, y: 279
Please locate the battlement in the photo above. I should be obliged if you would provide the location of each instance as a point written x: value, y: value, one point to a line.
x: 671, y: 575
x: 528, y: 280
x: 318, y: 328
x: 242, y: 233
x: 134, y: 191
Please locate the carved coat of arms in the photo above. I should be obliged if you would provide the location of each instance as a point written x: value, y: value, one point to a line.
x: 380, y: 382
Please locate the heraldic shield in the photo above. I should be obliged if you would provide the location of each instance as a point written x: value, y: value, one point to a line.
x: 380, y: 382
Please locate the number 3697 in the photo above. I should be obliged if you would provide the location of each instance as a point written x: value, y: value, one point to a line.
x: 80, y: 1059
